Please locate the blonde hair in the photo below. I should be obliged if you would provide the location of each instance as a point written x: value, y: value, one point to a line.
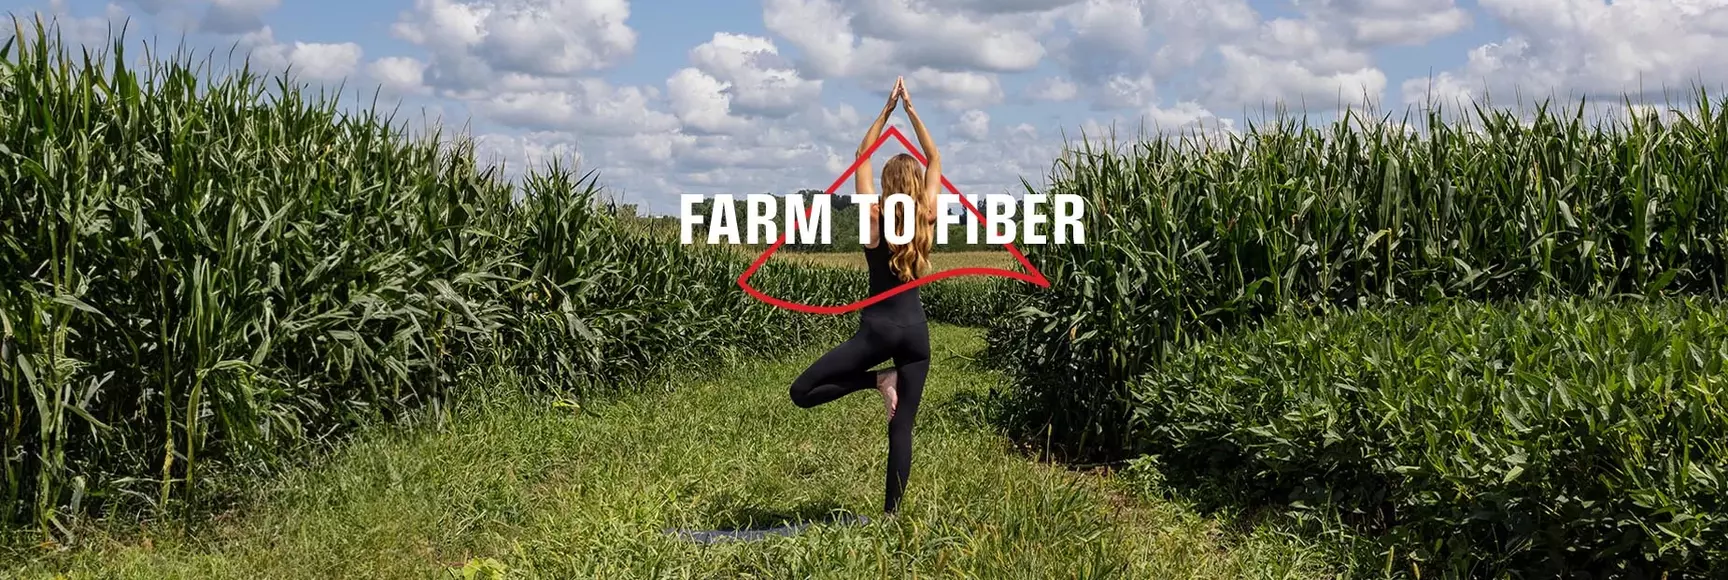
x: 904, y: 174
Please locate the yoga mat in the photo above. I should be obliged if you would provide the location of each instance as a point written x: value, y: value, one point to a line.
x: 750, y: 535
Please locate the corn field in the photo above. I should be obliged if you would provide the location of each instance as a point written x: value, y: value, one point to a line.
x: 1592, y: 446
x: 1549, y: 438
x: 202, y: 271
x: 1190, y: 238
x: 1473, y: 352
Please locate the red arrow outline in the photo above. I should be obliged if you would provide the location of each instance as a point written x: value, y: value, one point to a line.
x: 1030, y: 275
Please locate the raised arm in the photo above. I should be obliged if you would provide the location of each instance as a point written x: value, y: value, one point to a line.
x: 932, y: 158
x: 863, y: 180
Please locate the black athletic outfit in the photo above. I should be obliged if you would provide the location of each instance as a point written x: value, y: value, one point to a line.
x: 894, y: 328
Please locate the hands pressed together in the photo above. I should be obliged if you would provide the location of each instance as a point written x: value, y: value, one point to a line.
x: 899, y: 95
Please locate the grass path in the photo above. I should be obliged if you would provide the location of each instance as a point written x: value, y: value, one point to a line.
x: 552, y: 492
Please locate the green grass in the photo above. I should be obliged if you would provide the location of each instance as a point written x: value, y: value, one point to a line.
x: 555, y: 492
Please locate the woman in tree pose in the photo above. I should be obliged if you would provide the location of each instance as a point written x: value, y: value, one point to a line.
x: 894, y: 328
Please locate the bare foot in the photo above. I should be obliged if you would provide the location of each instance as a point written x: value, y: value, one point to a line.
x: 885, y: 383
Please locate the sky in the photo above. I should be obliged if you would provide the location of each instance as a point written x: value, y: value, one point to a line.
x: 665, y: 97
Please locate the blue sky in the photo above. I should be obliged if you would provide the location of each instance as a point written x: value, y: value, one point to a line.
x: 666, y: 97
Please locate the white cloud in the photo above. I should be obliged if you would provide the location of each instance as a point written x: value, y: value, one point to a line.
x: 1122, y: 91
x: 758, y: 80
x: 399, y: 75
x: 1606, y: 49
x: 840, y: 120
x: 736, y: 82
x: 1055, y: 89
x: 989, y: 7
x: 822, y: 31
x: 878, y: 38
x: 974, y: 125
x: 448, y: 23
x: 653, y: 149
x: 954, y: 91
x: 700, y: 102
x: 312, y: 60
x: 996, y: 165
x: 1255, y: 79
x: 1110, y: 38
x: 1188, y: 27
x: 1389, y: 22
x: 1184, y: 116
x: 778, y: 157
x: 1295, y: 62
x: 590, y: 106
x: 474, y: 43
x: 1121, y: 49
x: 530, y: 151
x: 952, y: 40
x: 557, y: 37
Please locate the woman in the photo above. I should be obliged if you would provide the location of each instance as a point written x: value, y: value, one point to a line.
x: 894, y: 328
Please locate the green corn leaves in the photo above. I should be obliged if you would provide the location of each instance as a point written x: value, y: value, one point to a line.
x: 1485, y: 453
x: 1191, y: 236
x: 1546, y: 437
x: 202, y: 270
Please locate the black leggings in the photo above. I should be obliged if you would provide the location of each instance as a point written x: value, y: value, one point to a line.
x: 846, y: 369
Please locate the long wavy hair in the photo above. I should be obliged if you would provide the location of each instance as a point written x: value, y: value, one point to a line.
x: 904, y: 174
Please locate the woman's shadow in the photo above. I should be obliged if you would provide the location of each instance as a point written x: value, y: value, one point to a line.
x: 729, y: 518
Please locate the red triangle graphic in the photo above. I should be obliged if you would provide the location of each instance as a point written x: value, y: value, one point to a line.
x: 1030, y: 275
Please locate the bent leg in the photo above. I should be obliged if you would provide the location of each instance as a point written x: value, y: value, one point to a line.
x: 840, y: 372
